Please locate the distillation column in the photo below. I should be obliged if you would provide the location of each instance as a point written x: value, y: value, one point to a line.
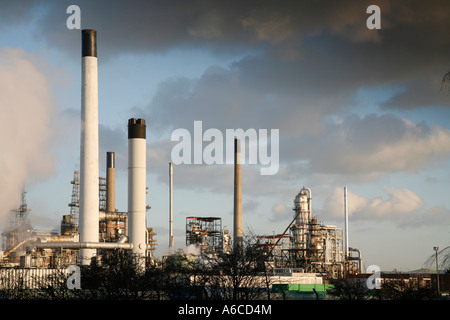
x: 302, y: 208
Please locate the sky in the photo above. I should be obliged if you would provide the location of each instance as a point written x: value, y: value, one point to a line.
x: 356, y: 107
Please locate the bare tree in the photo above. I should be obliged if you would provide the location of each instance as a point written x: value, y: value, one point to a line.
x: 446, y: 81
x: 406, y: 288
x: 240, y: 274
x: 350, y: 289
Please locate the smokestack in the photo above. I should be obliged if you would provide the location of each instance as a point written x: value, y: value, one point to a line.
x: 110, y: 182
x: 346, y: 223
x: 110, y: 193
x: 89, y: 172
x: 137, y: 187
x: 170, y: 207
x: 237, y: 225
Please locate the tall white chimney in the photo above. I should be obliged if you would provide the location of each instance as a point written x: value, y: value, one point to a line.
x: 237, y: 224
x: 137, y: 225
x: 89, y: 172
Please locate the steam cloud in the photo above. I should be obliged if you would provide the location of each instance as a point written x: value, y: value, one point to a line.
x: 26, y: 106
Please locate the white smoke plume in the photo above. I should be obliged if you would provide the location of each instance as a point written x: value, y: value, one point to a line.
x: 26, y: 106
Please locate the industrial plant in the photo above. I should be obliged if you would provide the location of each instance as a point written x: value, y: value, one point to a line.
x: 306, y: 252
x: 93, y: 224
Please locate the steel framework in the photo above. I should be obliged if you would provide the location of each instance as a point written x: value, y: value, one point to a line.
x: 205, y: 232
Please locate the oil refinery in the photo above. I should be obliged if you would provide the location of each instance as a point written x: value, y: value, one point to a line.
x: 306, y: 252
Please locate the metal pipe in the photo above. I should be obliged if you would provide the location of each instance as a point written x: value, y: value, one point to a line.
x: 89, y: 172
x: 58, y: 239
x: 309, y: 199
x: 359, y: 258
x: 122, y: 239
x: 19, y: 245
x: 137, y: 186
x: 110, y: 193
x: 110, y: 182
x: 237, y: 225
x: 346, y: 223
x: 171, y: 207
x: 83, y: 245
x: 112, y: 216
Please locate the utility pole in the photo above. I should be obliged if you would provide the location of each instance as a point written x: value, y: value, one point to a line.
x: 437, y: 271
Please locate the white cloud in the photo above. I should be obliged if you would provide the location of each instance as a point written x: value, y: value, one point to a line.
x: 435, y: 216
x: 280, y: 211
x: 400, y: 204
x: 376, y: 145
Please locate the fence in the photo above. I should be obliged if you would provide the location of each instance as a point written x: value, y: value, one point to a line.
x: 31, y: 278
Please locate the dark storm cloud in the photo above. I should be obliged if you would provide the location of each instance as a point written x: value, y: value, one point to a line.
x: 418, y: 93
x: 16, y: 12
x: 158, y: 25
x: 326, y: 40
x: 301, y: 62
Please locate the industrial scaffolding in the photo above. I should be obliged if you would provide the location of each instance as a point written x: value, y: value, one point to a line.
x: 102, y: 193
x: 72, y: 220
x: 112, y: 225
x: 322, y: 252
x: 272, y: 246
x: 307, y: 245
x: 18, y: 228
x: 206, y: 233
